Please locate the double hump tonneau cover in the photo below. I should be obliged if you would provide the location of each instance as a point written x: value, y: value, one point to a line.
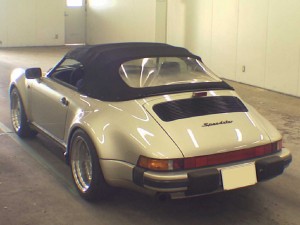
x: 102, y: 62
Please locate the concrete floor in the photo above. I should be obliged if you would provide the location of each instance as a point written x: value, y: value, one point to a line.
x: 36, y: 185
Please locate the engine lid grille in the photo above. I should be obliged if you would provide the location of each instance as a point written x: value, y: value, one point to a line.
x: 186, y: 108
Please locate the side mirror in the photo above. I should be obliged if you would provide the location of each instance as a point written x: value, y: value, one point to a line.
x: 33, y: 73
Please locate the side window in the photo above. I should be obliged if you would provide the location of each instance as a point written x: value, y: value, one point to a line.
x: 70, y: 72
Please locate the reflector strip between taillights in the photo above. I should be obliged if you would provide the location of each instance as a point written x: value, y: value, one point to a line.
x: 208, y: 160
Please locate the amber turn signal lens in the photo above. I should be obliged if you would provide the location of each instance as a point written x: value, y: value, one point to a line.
x: 160, y: 164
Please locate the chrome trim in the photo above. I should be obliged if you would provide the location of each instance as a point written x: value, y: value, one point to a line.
x: 81, y: 164
x: 15, y: 110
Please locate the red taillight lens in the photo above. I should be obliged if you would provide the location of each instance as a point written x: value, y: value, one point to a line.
x: 228, y: 157
x: 208, y: 160
x: 199, y: 94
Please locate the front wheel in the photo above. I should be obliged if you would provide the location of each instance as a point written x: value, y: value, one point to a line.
x: 85, y: 168
x: 18, y: 116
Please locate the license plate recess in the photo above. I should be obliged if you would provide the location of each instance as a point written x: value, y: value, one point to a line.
x: 238, y: 176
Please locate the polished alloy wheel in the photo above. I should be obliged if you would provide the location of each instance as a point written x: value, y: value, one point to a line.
x: 15, y: 111
x: 81, y: 162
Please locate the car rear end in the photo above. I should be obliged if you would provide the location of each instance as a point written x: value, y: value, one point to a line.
x: 225, y: 143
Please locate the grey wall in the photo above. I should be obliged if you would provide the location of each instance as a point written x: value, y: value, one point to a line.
x: 31, y: 22
x: 121, y: 20
x: 262, y: 35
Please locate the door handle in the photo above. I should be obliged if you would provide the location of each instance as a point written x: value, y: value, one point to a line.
x: 64, y: 101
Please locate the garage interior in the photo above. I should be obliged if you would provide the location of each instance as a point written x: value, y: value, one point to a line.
x: 254, y: 45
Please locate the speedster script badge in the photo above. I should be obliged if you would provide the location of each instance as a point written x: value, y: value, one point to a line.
x: 217, y: 123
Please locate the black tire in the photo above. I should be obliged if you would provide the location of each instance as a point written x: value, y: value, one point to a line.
x: 85, y: 168
x: 18, y: 116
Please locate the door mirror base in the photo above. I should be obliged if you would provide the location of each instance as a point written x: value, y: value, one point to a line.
x: 33, y: 73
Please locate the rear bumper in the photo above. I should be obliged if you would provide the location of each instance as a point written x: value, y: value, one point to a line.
x: 209, y: 180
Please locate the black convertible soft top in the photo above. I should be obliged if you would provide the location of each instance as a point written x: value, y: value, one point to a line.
x: 102, y: 62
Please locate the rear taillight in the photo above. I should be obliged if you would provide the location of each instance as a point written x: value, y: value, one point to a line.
x: 199, y: 94
x: 233, y: 156
x: 208, y: 160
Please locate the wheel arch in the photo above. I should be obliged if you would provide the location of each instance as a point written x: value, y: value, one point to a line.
x: 11, y: 87
x: 71, y: 133
x: 19, y: 81
x: 67, y: 153
x: 23, y: 97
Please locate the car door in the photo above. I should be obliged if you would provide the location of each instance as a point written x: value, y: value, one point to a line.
x: 49, y: 100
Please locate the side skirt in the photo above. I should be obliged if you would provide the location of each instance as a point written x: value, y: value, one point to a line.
x: 43, y: 132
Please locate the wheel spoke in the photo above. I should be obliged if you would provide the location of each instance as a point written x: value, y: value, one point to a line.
x: 81, y: 164
x: 15, y: 111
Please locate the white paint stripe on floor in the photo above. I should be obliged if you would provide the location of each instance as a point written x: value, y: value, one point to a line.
x: 4, y: 128
x: 39, y: 159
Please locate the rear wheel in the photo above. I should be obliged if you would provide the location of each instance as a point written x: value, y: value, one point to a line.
x: 18, y: 116
x: 85, y: 168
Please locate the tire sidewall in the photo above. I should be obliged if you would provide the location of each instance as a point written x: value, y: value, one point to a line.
x: 24, y: 130
x: 98, y: 186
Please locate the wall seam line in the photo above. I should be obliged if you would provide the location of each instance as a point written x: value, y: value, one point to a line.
x: 237, y: 40
x: 266, y: 48
x: 298, y: 88
x: 211, y: 32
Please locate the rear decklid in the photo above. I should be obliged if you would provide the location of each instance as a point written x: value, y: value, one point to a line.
x: 215, y: 123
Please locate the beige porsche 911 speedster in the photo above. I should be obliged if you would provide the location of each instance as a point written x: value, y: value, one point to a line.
x: 149, y: 117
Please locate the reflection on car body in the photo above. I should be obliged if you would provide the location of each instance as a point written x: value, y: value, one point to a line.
x: 146, y: 116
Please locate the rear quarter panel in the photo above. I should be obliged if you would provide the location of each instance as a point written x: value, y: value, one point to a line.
x: 124, y: 131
